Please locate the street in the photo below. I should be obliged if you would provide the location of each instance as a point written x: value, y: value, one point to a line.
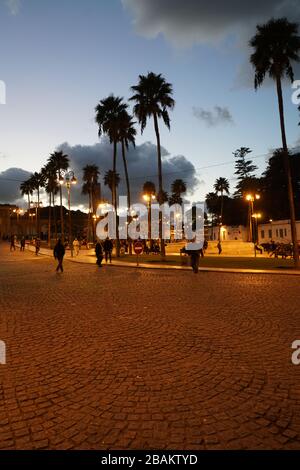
x: 118, y: 358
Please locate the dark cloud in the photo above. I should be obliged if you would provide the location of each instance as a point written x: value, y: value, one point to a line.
x: 10, y: 181
x: 219, y: 115
x: 142, y: 166
x: 198, y: 21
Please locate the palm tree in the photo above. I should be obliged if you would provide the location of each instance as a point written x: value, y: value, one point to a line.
x: 127, y: 134
x: 108, y: 116
x: 276, y: 45
x: 178, y: 188
x: 60, y: 162
x: 37, y: 180
x: 153, y: 98
x: 27, y: 190
x: 112, y: 180
x: 221, y: 186
x: 51, y: 187
x: 90, y: 183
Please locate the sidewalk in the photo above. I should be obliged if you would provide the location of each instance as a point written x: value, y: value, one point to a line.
x: 88, y: 257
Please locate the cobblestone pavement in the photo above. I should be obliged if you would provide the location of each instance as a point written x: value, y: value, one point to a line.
x: 122, y: 358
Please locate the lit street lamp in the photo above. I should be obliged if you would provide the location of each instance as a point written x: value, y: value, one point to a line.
x: 251, y: 198
x: 149, y: 197
x: 68, y: 179
x: 255, y: 218
x: 37, y: 206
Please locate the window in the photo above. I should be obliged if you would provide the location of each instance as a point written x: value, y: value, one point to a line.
x: 262, y: 234
x: 281, y: 232
x: 285, y: 232
x: 270, y: 234
x: 277, y: 232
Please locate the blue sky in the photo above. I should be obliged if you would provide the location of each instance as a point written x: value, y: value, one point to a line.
x: 60, y: 57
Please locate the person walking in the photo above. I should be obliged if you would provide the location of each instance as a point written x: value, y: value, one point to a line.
x: 108, y: 246
x: 12, y: 243
x: 37, y: 246
x: 219, y: 246
x: 76, y: 246
x: 99, y: 254
x: 22, y: 244
x: 59, y: 253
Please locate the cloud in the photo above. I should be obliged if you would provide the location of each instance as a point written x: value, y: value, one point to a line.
x: 13, y: 6
x: 10, y: 181
x: 142, y: 166
x: 188, y: 22
x: 219, y: 115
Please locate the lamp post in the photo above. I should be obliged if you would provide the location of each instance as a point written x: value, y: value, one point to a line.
x: 149, y: 197
x: 95, y: 218
x: 37, y: 205
x: 255, y: 218
x: 68, y: 179
x: 251, y: 198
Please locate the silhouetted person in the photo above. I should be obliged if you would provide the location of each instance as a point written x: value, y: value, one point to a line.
x: 99, y: 254
x: 219, y: 246
x: 59, y: 253
x: 108, y: 246
x: 37, y: 246
x: 12, y: 243
x: 22, y: 245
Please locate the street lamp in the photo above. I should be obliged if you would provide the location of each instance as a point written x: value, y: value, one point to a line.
x: 149, y: 197
x: 68, y: 179
x: 251, y: 198
x: 37, y: 205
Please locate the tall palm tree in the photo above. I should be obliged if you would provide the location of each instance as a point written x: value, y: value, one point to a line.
x: 108, y: 114
x: 38, y: 181
x: 276, y: 45
x: 178, y: 188
x: 90, y: 183
x: 153, y: 98
x: 27, y: 190
x: 127, y: 134
x: 112, y: 180
x: 221, y: 186
x: 60, y: 162
x: 51, y: 187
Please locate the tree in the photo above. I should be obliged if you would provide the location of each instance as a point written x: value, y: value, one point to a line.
x: 178, y: 188
x: 153, y: 99
x: 37, y: 180
x: 127, y: 134
x: 276, y: 45
x: 221, y: 186
x: 90, y: 183
x: 112, y: 180
x: 26, y: 189
x: 108, y: 116
x: 60, y: 162
x: 51, y: 188
x: 149, y: 188
x: 244, y: 169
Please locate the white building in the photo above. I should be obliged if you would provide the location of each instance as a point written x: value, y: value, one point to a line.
x: 278, y: 230
x: 228, y: 233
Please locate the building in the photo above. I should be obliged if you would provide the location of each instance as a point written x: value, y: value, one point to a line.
x: 277, y: 230
x: 228, y: 233
x: 6, y: 216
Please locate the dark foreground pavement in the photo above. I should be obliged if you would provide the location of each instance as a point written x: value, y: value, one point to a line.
x: 127, y: 359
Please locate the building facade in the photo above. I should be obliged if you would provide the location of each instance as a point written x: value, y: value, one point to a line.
x: 277, y: 230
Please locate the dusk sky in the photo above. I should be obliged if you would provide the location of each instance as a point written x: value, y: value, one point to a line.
x: 59, y: 58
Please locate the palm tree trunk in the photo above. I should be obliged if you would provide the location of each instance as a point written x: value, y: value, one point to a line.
x: 221, y: 218
x: 61, y: 215
x: 54, y: 215
x: 49, y: 222
x: 114, y: 194
x: 288, y: 174
x: 128, y: 189
x: 160, y: 186
x: 38, y: 213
